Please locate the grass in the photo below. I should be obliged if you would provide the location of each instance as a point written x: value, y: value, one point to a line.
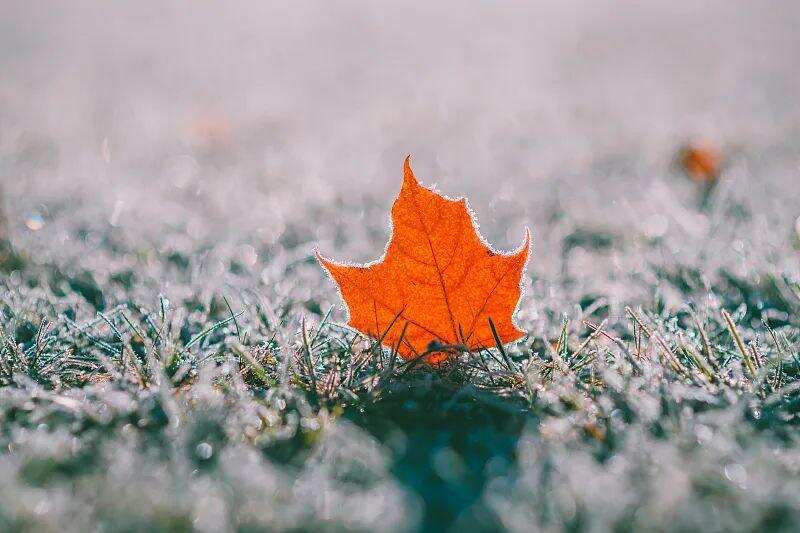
x: 229, y: 410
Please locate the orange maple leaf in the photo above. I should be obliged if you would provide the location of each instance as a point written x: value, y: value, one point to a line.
x: 702, y: 161
x: 438, y: 285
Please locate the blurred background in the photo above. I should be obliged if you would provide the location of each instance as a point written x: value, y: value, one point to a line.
x: 252, y: 122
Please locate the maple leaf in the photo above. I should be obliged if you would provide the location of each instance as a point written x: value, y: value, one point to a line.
x: 439, y: 287
x: 701, y: 161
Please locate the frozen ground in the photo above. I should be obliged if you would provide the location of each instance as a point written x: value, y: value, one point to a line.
x: 167, y: 164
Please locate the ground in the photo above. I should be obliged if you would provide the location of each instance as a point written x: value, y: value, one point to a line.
x: 173, y: 358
